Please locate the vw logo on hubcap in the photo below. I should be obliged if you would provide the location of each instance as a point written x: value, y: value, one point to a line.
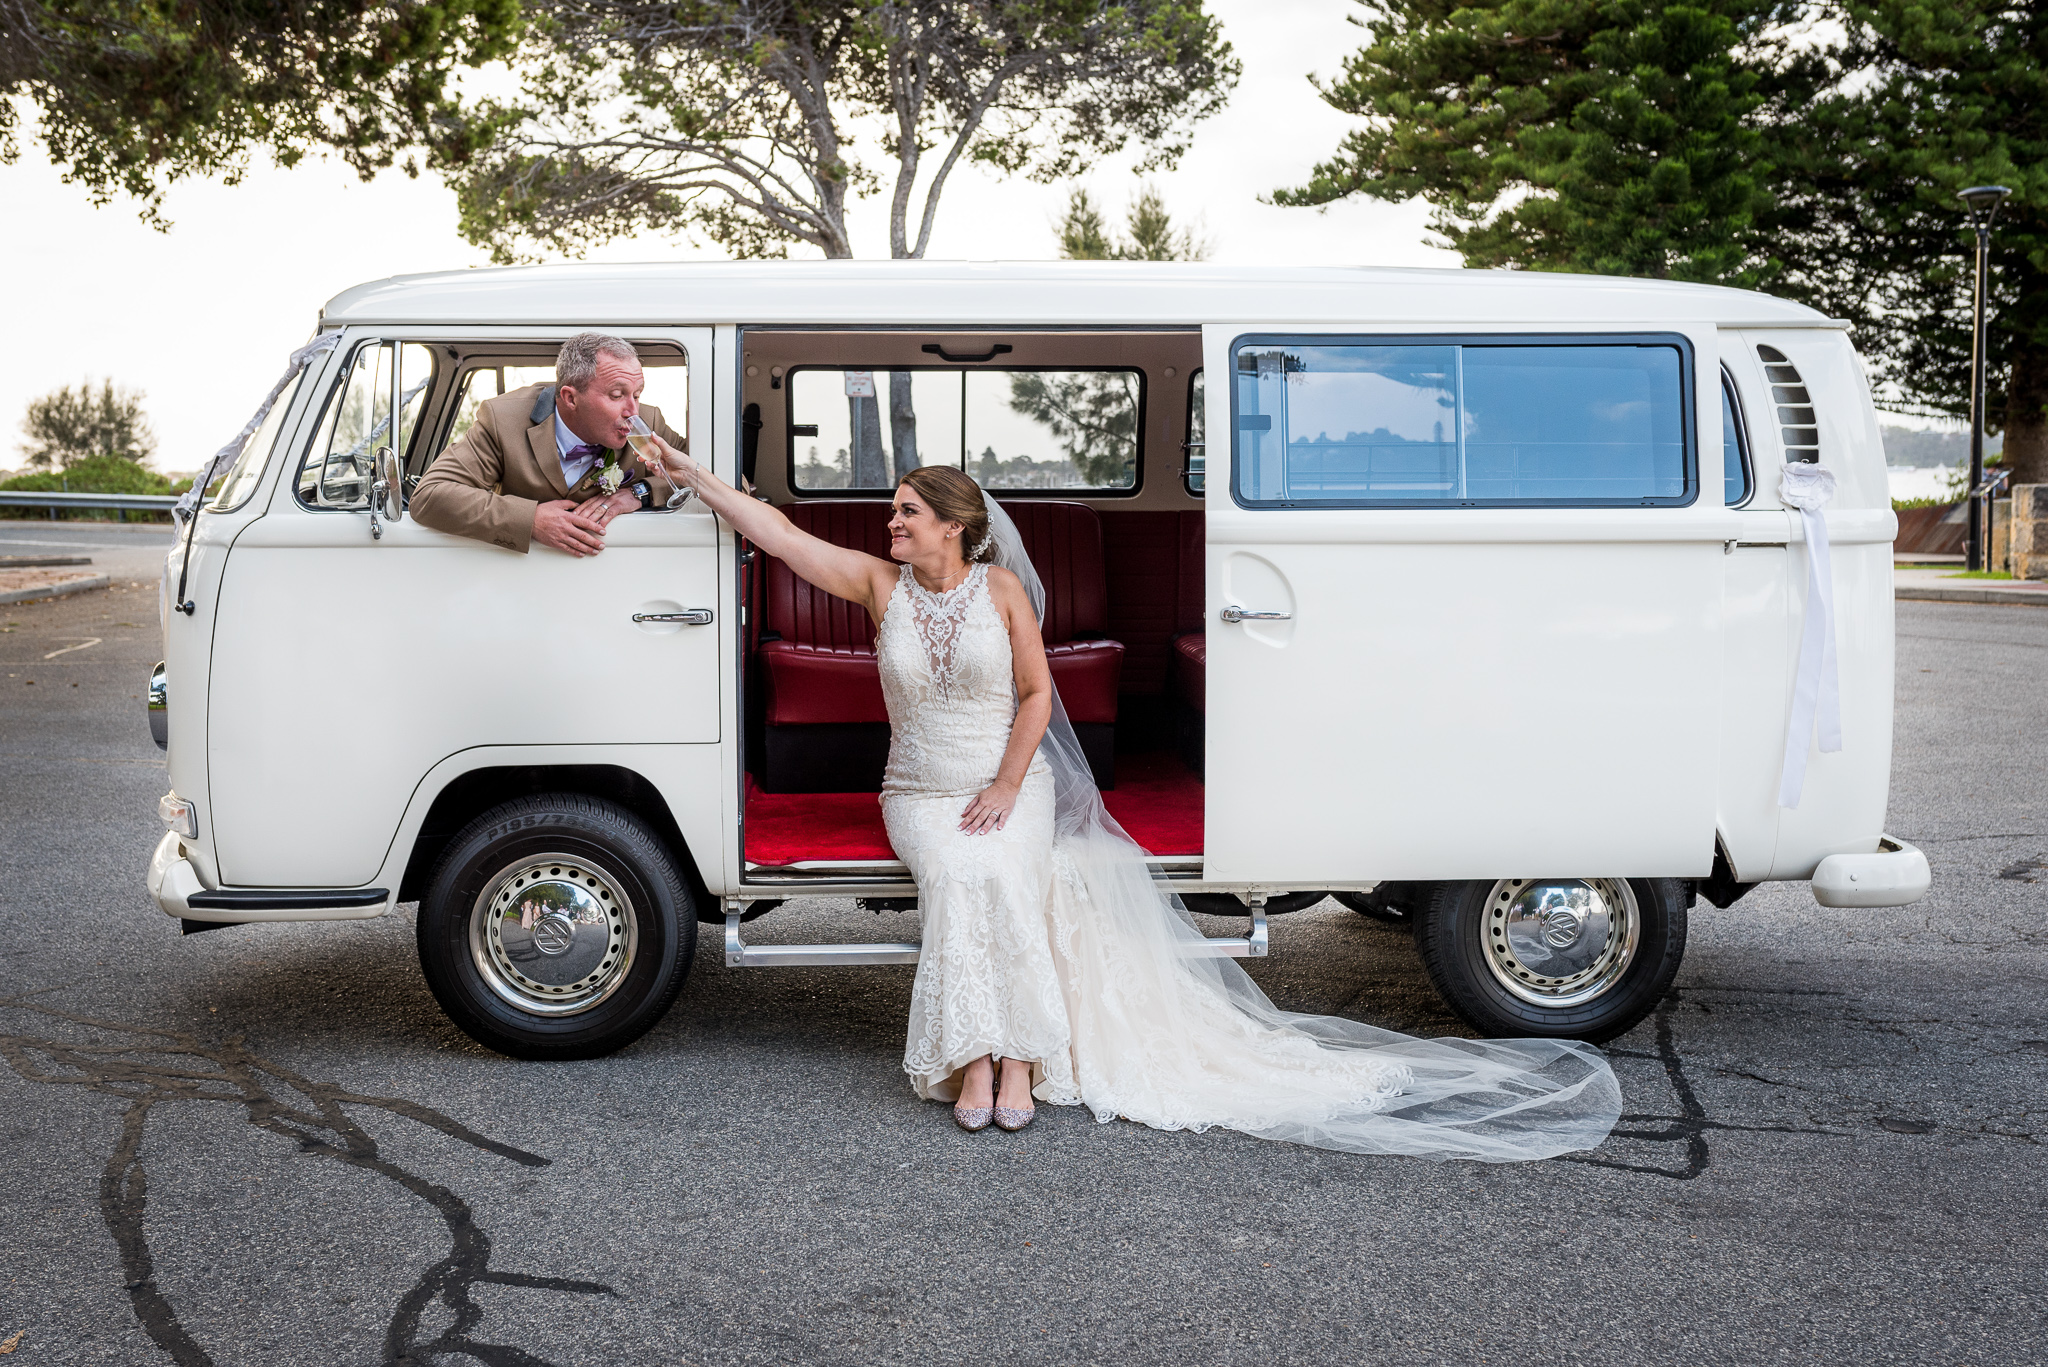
x: 554, y: 934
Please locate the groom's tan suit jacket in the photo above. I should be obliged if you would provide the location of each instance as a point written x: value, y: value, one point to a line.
x: 487, y: 484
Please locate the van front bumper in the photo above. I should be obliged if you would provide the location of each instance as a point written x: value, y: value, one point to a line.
x: 174, y: 885
x: 1896, y: 875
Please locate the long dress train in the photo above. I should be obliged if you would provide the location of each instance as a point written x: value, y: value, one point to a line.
x: 1048, y: 940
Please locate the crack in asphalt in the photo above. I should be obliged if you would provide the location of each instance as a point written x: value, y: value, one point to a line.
x: 1690, y: 1126
x: 153, y: 1067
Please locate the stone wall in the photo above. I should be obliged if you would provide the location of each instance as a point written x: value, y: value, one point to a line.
x: 2030, y: 531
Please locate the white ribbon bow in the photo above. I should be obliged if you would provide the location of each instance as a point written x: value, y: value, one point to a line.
x: 187, y: 505
x: 1817, y: 688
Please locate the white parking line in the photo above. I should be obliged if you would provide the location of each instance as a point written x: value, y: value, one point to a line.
x: 86, y: 644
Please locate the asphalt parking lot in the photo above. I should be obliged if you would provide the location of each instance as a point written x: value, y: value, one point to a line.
x: 266, y: 1144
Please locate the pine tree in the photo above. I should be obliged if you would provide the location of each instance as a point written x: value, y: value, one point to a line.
x: 1150, y: 232
x: 1621, y: 138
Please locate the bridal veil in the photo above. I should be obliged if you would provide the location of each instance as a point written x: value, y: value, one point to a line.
x: 1167, y: 1033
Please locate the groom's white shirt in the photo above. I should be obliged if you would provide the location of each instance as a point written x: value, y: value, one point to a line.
x: 566, y: 441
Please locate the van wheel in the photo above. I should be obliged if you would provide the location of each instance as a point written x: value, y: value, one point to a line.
x: 1566, y: 958
x: 556, y: 927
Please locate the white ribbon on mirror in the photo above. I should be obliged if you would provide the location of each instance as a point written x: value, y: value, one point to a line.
x: 1817, y: 687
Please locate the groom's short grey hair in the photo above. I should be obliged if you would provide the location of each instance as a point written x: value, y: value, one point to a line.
x: 576, y: 362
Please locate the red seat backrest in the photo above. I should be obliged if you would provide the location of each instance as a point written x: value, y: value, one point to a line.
x: 809, y: 616
x: 1064, y: 541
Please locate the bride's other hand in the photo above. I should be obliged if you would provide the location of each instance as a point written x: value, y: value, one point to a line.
x: 991, y: 810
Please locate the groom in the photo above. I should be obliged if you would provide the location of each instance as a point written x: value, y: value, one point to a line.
x: 547, y: 463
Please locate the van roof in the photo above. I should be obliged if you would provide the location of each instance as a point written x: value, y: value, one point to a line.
x: 981, y: 295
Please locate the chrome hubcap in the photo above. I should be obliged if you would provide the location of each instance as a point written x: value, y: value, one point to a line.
x: 1560, y: 942
x: 553, y: 935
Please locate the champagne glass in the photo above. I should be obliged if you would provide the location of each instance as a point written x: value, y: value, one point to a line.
x: 640, y: 437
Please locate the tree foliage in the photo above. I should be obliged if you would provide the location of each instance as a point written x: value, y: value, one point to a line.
x: 135, y: 94
x: 1150, y: 233
x: 1093, y: 414
x: 1615, y: 136
x: 744, y: 121
x: 1813, y: 151
x: 1938, y: 97
x: 69, y: 425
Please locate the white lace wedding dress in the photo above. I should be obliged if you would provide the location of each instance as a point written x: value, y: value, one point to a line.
x: 1048, y: 941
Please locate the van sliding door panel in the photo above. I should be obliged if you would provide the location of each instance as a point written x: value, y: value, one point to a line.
x: 1464, y: 691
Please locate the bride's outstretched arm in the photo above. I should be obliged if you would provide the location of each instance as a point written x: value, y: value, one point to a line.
x: 838, y: 570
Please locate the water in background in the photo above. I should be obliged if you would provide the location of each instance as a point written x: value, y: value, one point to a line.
x: 1931, y: 481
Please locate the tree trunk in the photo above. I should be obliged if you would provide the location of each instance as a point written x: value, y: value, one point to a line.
x: 2026, y: 417
x: 902, y: 423
x: 870, y: 463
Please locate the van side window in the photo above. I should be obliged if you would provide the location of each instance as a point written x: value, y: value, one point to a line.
x: 381, y: 377
x: 1198, y: 426
x: 1465, y: 422
x: 1735, y: 467
x: 485, y: 375
x: 1013, y: 430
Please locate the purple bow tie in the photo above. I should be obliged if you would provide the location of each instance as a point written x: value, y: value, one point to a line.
x: 578, y: 452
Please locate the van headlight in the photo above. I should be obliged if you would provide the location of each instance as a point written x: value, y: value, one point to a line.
x: 180, y: 817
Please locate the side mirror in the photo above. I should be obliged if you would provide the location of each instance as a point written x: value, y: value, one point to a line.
x: 387, y: 491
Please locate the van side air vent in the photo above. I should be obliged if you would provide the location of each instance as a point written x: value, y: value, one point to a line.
x: 1795, y: 406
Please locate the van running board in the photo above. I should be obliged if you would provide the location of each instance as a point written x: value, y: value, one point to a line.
x: 739, y: 954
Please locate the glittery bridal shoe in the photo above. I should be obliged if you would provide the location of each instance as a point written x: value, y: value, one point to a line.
x: 973, y: 1118
x: 1011, y: 1118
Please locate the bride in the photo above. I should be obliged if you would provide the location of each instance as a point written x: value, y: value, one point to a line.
x: 1052, y: 967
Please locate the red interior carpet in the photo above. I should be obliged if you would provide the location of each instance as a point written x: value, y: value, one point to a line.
x: 1156, y: 799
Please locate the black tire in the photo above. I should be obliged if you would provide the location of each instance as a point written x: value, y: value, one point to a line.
x: 1395, y: 904
x: 1616, y: 989
x: 1228, y: 904
x: 608, y: 890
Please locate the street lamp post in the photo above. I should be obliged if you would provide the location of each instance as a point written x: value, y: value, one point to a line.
x: 1983, y: 202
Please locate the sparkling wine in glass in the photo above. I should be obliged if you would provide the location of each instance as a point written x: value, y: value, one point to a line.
x: 640, y: 437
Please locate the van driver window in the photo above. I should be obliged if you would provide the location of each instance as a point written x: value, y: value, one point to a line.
x: 668, y: 386
x: 1013, y: 430
x: 1427, y: 423
x: 336, y: 471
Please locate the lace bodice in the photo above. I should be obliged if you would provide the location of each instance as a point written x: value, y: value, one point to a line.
x: 950, y: 686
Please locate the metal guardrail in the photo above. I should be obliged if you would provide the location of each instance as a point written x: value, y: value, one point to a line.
x: 151, y: 503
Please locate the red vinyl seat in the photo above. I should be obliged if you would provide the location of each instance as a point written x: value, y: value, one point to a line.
x: 822, y: 671
x: 1191, y: 668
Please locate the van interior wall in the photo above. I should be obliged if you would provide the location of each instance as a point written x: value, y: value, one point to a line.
x: 1152, y: 568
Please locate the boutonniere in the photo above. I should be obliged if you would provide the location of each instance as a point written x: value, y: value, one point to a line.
x: 610, y: 476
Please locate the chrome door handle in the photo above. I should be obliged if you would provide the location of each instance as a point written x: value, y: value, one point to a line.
x: 1234, y: 613
x: 689, y: 617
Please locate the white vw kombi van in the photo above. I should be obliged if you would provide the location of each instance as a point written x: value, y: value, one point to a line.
x: 1504, y: 608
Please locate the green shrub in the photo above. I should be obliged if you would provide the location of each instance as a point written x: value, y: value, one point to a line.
x: 94, y: 475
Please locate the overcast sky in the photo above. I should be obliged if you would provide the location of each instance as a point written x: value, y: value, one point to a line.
x: 202, y: 317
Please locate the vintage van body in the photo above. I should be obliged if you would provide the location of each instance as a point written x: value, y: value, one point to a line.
x: 1482, y: 613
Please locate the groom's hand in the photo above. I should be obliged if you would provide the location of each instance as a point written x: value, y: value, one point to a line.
x: 562, y: 525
